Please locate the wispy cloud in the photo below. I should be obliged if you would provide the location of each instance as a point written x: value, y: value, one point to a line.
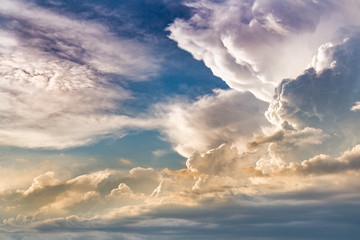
x: 56, y: 89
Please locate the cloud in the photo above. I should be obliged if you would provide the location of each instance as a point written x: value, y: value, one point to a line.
x: 125, y: 161
x: 324, y: 97
x: 61, y: 77
x: 324, y: 164
x: 220, y: 161
x: 292, y: 198
x: 356, y: 107
x: 289, y: 144
x: 298, y: 181
x: 140, y: 180
x: 80, y: 41
x: 41, y: 181
x: 86, y: 195
x: 226, y: 116
x: 159, y: 153
x: 238, y: 39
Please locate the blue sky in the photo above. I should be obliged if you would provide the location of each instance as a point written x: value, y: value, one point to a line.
x: 229, y: 119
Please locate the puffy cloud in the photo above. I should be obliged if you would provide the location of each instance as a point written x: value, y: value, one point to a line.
x: 316, y: 185
x: 238, y: 39
x: 225, y: 184
x: 140, y: 180
x: 220, y: 161
x: 42, y: 181
x: 324, y: 97
x: 55, y: 74
x: 324, y: 164
x: 86, y: 195
x: 227, y: 116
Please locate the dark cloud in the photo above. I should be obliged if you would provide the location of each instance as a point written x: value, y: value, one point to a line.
x: 318, y: 221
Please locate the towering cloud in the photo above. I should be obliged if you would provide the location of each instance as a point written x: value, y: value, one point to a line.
x: 253, y: 45
x: 325, y: 96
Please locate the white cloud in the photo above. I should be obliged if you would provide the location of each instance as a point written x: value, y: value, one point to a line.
x: 324, y: 97
x: 356, y: 107
x: 223, y: 160
x: 54, y: 90
x: 253, y: 45
x: 225, y: 117
x: 83, y: 41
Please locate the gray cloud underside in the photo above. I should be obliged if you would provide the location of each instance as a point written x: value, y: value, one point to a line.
x: 313, y: 221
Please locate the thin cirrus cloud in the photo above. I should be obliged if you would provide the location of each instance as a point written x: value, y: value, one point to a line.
x: 56, y: 90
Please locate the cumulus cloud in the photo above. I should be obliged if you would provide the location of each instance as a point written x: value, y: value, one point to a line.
x: 85, y: 195
x: 56, y: 89
x: 238, y: 39
x: 215, y: 177
x: 220, y: 161
x: 324, y: 164
x: 323, y: 97
x: 218, y: 183
x: 227, y: 116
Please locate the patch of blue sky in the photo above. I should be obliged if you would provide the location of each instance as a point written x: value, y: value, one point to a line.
x: 179, y: 76
x: 135, y: 149
x: 146, y: 21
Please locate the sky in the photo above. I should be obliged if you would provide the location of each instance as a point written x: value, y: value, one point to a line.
x: 185, y: 119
